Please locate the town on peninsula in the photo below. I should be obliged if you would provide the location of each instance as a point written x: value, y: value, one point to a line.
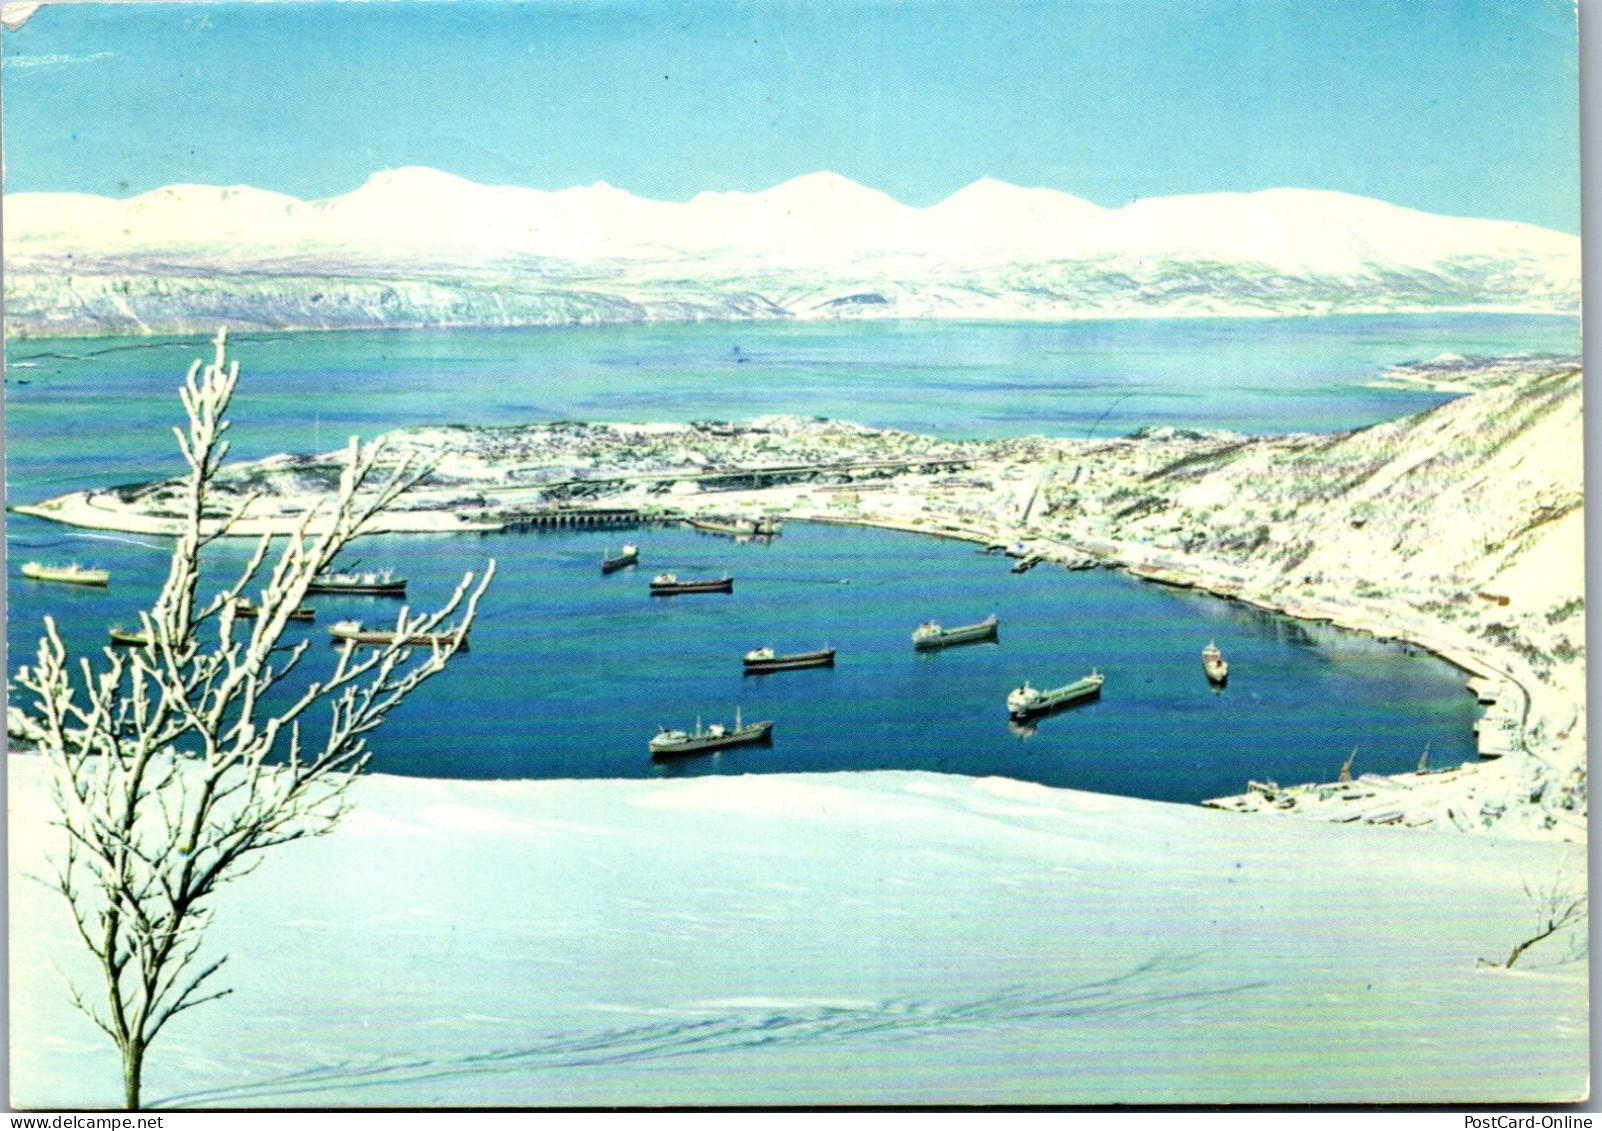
x: 1459, y: 530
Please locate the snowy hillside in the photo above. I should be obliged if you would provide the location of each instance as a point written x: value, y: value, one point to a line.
x: 420, y: 247
x: 839, y: 938
x: 1462, y: 527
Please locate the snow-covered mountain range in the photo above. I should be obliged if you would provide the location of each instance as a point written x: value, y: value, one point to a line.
x: 420, y: 247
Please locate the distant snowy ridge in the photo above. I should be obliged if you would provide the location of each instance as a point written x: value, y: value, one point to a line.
x: 420, y: 247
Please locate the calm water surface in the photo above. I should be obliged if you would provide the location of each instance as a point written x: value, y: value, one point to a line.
x: 571, y: 672
x: 308, y: 392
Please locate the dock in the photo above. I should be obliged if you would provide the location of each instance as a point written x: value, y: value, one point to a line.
x: 565, y: 517
x: 1373, y: 799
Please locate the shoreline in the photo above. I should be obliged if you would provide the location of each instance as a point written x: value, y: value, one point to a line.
x: 79, y: 510
x: 206, y: 331
x: 1313, y: 800
x: 1474, y: 663
x: 1332, y: 528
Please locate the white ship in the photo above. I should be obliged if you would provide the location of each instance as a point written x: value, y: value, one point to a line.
x: 73, y: 574
x: 929, y: 634
x: 679, y: 743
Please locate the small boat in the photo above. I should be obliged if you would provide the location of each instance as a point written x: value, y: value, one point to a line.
x: 379, y: 584
x: 679, y: 743
x: 353, y: 630
x: 627, y: 557
x: 129, y: 639
x: 1214, y: 664
x: 1025, y: 701
x: 73, y: 574
x: 667, y: 584
x: 763, y: 660
x: 930, y: 635
x: 244, y: 609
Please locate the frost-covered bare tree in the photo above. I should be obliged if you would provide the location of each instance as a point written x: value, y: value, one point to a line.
x: 1563, y: 901
x: 172, y: 773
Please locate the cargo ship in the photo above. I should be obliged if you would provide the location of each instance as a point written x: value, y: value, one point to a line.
x: 667, y: 584
x: 629, y: 555
x: 1025, y: 702
x: 352, y: 630
x: 763, y: 660
x: 679, y: 743
x: 244, y: 609
x: 73, y: 574
x: 366, y: 584
x: 931, y: 635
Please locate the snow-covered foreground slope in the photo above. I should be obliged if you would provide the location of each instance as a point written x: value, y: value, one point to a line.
x: 860, y: 938
x: 419, y: 247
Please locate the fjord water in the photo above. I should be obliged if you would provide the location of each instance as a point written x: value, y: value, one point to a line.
x: 308, y: 392
x: 571, y: 673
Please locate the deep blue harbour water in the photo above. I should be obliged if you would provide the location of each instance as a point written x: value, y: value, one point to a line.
x: 570, y: 672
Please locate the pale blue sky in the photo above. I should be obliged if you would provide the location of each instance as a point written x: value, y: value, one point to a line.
x: 1467, y: 107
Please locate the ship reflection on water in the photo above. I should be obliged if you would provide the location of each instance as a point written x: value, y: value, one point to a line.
x: 1027, y: 728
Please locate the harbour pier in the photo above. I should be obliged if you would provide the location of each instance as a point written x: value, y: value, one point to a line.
x: 575, y: 517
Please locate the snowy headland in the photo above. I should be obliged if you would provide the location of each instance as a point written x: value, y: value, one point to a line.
x: 417, y: 247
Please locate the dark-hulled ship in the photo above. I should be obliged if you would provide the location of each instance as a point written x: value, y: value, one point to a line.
x: 629, y: 555
x: 764, y: 660
x: 667, y: 585
x: 246, y: 610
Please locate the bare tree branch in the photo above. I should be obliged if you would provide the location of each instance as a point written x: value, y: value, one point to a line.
x: 170, y: 776
x: 1562, y: 901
